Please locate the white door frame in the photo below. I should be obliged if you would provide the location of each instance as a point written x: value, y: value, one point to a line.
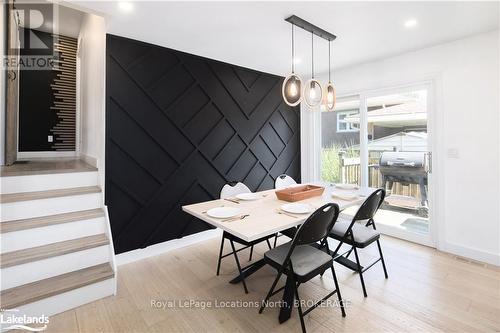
x: 434, y: 122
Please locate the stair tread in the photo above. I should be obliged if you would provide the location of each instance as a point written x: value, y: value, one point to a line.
x: 46, y: 167
x: 44, y: 221
x: 35, y: 291
x: 36, y: 195
x: 23, y: 256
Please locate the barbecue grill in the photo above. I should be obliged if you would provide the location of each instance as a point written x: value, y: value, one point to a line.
x: 405, y: 168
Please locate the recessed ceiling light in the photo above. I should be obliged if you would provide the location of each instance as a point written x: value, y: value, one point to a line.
x: 411, y: 23
x: 125, y: 6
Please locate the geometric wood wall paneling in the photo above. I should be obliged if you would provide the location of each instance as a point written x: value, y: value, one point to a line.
x: 64, y: 93
x: 178, y: 127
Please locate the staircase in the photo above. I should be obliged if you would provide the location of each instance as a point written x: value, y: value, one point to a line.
x: 56, y: 245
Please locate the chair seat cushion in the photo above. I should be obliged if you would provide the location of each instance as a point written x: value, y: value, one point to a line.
x: 238, y: 240
x: 307, y: 261
x: 363, y: 236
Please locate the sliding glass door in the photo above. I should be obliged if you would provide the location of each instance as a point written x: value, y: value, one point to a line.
x: 382, y: 139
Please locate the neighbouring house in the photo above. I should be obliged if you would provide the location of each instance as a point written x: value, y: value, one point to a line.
x: 383, y: 123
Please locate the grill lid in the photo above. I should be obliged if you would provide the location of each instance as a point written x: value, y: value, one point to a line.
x: 402, y: 159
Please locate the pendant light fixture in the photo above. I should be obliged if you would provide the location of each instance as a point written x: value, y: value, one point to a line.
x: 292, y: 85
x: 313, y: 93
x: 330, y: 96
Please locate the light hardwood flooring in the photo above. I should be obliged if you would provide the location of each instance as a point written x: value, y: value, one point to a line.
x: 427, y: 291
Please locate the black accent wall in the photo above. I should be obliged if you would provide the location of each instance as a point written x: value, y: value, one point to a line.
x: 178, y: 127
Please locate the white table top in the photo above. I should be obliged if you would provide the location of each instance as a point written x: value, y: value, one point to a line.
x: 263, y: 219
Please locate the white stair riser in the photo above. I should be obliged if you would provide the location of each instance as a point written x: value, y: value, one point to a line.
x: 24, y: 239
x: 43, y: 207
x: 69, y: 300
x: 33, y: 183
x: 42, y: 269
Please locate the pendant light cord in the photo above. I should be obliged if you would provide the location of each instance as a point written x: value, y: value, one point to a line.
x: 293, y: 51
x: 329, y: 66
x: 312, y: 54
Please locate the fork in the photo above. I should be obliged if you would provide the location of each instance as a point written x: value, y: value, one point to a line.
x: 285, y: 213
x: 236, y: 218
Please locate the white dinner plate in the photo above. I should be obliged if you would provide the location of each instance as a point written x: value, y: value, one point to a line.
x: 345, y: 197
x: 223, y: 212
x: 297, y: 208
x: 347, y: 186
x: 248, y: 196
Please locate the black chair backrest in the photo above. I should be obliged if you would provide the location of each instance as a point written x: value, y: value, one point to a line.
x: 317, y: 226
x: 370, y: 205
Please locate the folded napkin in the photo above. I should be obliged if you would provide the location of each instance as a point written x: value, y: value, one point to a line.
x: 345, y: 196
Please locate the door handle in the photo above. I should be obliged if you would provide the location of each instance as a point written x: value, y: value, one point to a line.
x: 428, y: 162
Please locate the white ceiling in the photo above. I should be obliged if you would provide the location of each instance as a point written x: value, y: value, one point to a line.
x: 254, y: 35
x: 63, y: 20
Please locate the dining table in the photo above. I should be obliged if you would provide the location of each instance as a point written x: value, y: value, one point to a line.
x: 263, y: 216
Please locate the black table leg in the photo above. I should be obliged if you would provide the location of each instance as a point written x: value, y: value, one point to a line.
x: 287, y: 302
x: 248, y: 270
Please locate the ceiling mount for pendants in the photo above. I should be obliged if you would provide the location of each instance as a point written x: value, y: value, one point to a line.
x: 307, y: 26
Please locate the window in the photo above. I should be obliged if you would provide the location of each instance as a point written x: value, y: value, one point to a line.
x: 345, y: 124
x: 340, y: 159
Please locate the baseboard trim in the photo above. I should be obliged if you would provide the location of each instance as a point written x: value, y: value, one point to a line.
x: 33, y: 155
x: 471, y: 253
x: 157, y: 249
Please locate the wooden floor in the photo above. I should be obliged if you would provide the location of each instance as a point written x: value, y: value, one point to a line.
x: 427, y: 291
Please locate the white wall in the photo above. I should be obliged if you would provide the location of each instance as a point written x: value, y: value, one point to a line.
x: 466, y: 81
x: 92, y: 57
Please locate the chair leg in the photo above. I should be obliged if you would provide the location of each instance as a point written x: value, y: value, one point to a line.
x: 338, y: 292
x: 220, y: 254
x: 251, y: 253
x: 263, y: 305
x: 360, y: 272
x: 382, y: 258
x: 269, y: 244
x: 301, y: 316
x: 275, y: 240
x: 239, y: 266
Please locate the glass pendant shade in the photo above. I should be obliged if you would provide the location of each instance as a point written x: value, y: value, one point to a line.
x: 292, y: 86
x: 330, y: 96
x: 313, y: 94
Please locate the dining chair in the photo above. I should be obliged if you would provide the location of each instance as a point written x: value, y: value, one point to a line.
x: 230, y: 190
x: 300, y: 260
x: 358, y: 234
x: 283, y: 181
